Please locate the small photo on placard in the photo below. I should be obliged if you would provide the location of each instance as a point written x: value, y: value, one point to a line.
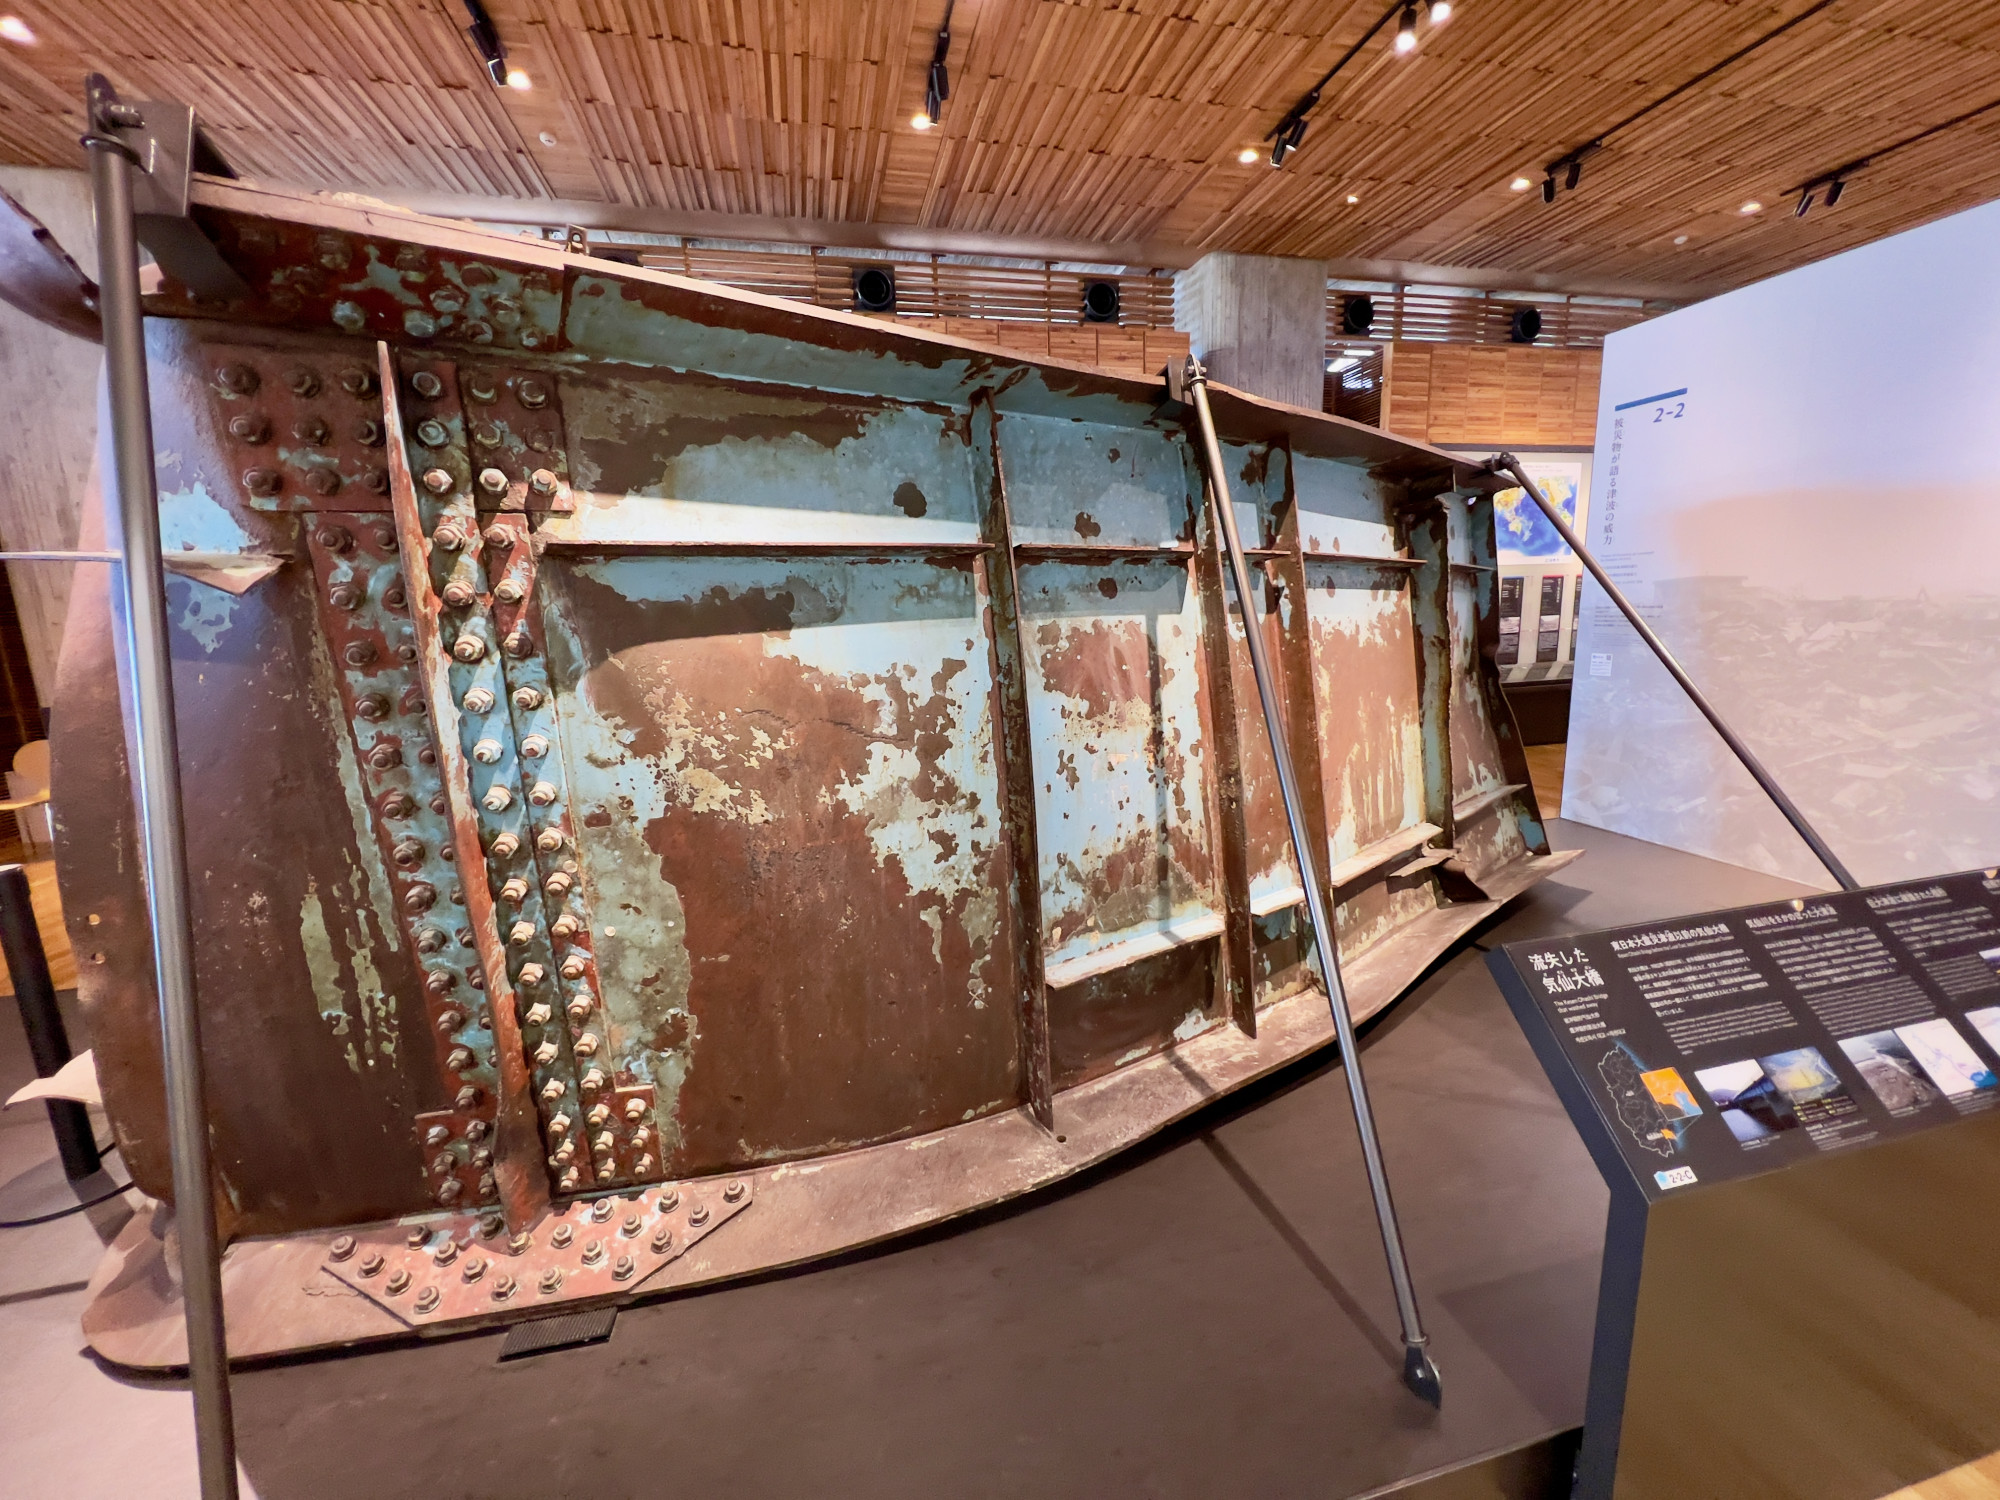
x: 1762, y: 1097
x: 1888, y: 1068
x: 1987, y: 1022
x: 1992, y: 957
x: 1947, y: 1057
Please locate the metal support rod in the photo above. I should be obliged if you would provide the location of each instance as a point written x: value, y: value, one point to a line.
x: 48, y: 1040
x: 1508, y: 464
x: 1419, y: 1373
x: 156, y: 773
x: 75, y: 557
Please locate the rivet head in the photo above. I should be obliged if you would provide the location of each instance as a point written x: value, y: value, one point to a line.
x: 480, y: 388
x: 368, y: 433
x: 334, y: 538
x: 599, y: 1113
x: 566, y: 926
x: 446, y: 1253
x: 585, y: 1045
x: 371, y: 1264
x: 303, y: 383
x: 497, y: 799
x: 535, y: 746
x: 561, y: 1236
x: 407, y: 852
x: 485, y: 434
x: 670, y: 1200
x: 460, y: 595
x: 486, y: 752
x: 475, y: 1130
x: 520, y: 1244
x: 519, y: 643
x: 733, y: 1192
x: 323, y: 482
x: 503, y: 1288
x: 430, y: 939
x: 357, y: 381
x: 549, y: 840
x: 427, y: 1300
x: 398, y: 1282
x: 263, y: 481
x: 573, y: 967
x: 449, y: 1021
x: 601, y: 1211
x: 312, y: 431
x: 467, y: 1097
x: 539, y: 1014
x: 557, y: 885
x: 386, y: 755
x: 341, y: 1248
x: 642, y: 1165
x: 527, y: 699
x: 698, y: 1215
x: 358, y: 653
x: 474, y: 1267
x: 507, y: 591
x: 393, y: 597
x: 450, y: 1191
x: 437, y: 1135
x: 418, y: 1237
x: 591, y: 1081
x: 377, y: 481
x: 513, y: 889
x: 555, y: 1088
x: 662, y: 1241
x: 631, y: 1226
x: 468, y: 647
x: 249, y: 427
x: 531, y: 974
x: 533, y: 394
x: 635, y: 1109
x: 426, y: 384
x: 505, y: 845
x: 374, y: 707
x: 543, y: 481
x: 437, y: 481
x: 459, y: 1059
x: 578, y: 1009
x: 542, y: 793
x: 237, y: 380
x: 551, y: 1281
x: 593, y: 1253
x: 479, y: 700
x: 622, y: 1268
x: 448, y: 537
x: 442, y: 982
x: 643, y: 1136
x: 499, y: 536
x: 521, y: 932
x: 493, y: 481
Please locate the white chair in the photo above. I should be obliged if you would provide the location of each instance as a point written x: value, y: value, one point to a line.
x: 28, y: 798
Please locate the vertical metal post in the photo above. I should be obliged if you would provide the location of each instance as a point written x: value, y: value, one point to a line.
x: 1419, y: 1373
x: 1508, y: 464
x: 156, y: 774
x: 48, y: 1041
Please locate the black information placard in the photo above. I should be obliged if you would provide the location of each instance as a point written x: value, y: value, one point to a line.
x: 1718, y: 1046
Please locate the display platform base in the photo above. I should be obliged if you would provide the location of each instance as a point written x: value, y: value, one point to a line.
x: 290, y: 1294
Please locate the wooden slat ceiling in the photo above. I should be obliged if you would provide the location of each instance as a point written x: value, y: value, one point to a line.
x: 1105, y: 122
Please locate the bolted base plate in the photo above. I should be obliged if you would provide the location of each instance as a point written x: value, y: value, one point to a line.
x: 460, y: 1267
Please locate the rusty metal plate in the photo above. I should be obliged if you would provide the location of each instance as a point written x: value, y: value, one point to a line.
x: 462, y: 1268
x: 302, y: 430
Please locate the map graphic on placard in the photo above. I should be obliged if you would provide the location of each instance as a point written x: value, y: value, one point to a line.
x: 1520, y: 528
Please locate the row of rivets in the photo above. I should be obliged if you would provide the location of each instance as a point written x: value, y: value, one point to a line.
x: 322, y: 441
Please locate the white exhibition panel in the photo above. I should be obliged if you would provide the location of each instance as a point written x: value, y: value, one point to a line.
x: 1799, y: 484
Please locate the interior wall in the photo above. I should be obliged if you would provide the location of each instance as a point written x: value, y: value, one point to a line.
x: 48, y: 389
x: 1820, y: 547
x: 1492, y: 394
x: 1258, y: 322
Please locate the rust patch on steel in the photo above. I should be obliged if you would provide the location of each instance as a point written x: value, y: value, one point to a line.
x: 1120, y: 1017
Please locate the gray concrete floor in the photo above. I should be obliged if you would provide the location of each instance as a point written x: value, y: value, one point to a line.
x: 1207, y: 1316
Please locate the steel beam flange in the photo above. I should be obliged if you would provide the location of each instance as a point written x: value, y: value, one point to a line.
x: 463, y: 1268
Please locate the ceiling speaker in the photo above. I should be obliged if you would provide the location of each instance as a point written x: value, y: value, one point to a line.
x: 874, y: 289
x: 1525, y: 326
x: 1357, y: 315
x: 1100, y: 302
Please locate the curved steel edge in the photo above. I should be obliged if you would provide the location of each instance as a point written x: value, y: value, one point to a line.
x: 279, y: 1300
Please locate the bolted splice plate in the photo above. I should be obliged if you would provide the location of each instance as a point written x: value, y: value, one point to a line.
x: 461, y: 1267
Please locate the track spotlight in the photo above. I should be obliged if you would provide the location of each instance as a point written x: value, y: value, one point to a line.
x: 1406, y: 30
x: 17, y: 31
x: 1549, y: 188
x: 1247, y: 155
x: 1289, y: 135
x: 1752, y: 207
x: 1833, y: 191
x: 1575, y: 173
x: 486, y: 39
x: 1805, y: 204
x: 1440, y: 12
x: 1520, y: 185
x: 937, y: 86
x: 921, y: 120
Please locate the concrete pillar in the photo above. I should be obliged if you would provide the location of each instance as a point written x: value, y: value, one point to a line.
x: 1258, y: 322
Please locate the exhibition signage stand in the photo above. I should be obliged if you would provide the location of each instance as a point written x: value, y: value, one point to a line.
x: 1797, y: 1110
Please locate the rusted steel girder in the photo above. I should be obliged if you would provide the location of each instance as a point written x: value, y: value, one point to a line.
x: 749, y: 741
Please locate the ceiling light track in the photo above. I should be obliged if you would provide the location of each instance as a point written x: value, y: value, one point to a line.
x: 937, y: 83
x: 492, y: 51
x: 1569, y: 166
x: 1828, y: 186
x: 1286, y: 135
